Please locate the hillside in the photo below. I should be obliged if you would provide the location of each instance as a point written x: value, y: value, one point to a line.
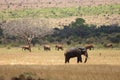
x: 62, y: 12
x: 18, y: 4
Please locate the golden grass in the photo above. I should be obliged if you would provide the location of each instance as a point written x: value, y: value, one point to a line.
x: 50, y: 65
x: 40, y: 57
x: 63, y: 72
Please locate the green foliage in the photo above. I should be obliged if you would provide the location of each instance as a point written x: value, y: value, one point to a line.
x: 68, y: 42
x: 115, y: 38
x: 76, y: 32
x: 78, y: 22
x: 84, y: 33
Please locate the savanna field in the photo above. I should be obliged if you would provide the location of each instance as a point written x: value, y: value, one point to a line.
x: 72, y: 23
x: 102, y: 64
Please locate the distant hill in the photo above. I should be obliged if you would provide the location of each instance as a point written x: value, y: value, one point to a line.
x: 93, y: 11
x: 18, y: 4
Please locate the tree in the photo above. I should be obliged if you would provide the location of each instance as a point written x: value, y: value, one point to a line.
x: 78, y: 22
x: 27, y: 29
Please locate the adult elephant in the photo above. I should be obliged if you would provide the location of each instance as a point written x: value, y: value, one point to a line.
x: 90, y: 46
x: 59, y: 47
x: 76, y: 52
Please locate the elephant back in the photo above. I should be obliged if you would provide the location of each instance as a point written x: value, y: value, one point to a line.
x: 72, y: 50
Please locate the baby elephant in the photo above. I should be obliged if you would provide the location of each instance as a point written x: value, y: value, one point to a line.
x: 59, y: 47
x: 76, y: 52
x: 47, y: 48
x: 26, y: 47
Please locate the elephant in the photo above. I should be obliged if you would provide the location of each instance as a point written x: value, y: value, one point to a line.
x: 26, y: 47
x: 58, y: 46
x: 89, y: 47
x: 76, y: 52
x: 47, y: 47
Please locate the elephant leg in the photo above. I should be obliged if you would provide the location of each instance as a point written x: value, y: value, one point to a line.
x: 79, y: 59
x: 66, y: 59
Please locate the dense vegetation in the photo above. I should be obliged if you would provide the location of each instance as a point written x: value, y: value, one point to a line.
x: 80, y: 32
x: 77, y: 32
x: 60, y: 12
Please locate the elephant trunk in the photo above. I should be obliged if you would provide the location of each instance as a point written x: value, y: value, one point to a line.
x: 86, y: 56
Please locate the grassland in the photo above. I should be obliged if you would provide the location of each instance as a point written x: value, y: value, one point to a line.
x: 59, y: 16
x: 53, y: 57
x: 61, y: 12
x: 50, y: 65
x: 63, y: 72
x: 102, y: 64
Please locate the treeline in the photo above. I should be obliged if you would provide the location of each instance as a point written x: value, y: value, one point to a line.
x: 76, y: 32
x: 80, y: 32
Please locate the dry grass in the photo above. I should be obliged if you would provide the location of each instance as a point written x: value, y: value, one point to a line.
x: 50, y: 65
x: 63, y: 72
x: 17, y: 56
x: 40, y: 57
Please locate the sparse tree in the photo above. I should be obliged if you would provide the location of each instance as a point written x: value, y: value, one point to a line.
x: 27, y: 29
